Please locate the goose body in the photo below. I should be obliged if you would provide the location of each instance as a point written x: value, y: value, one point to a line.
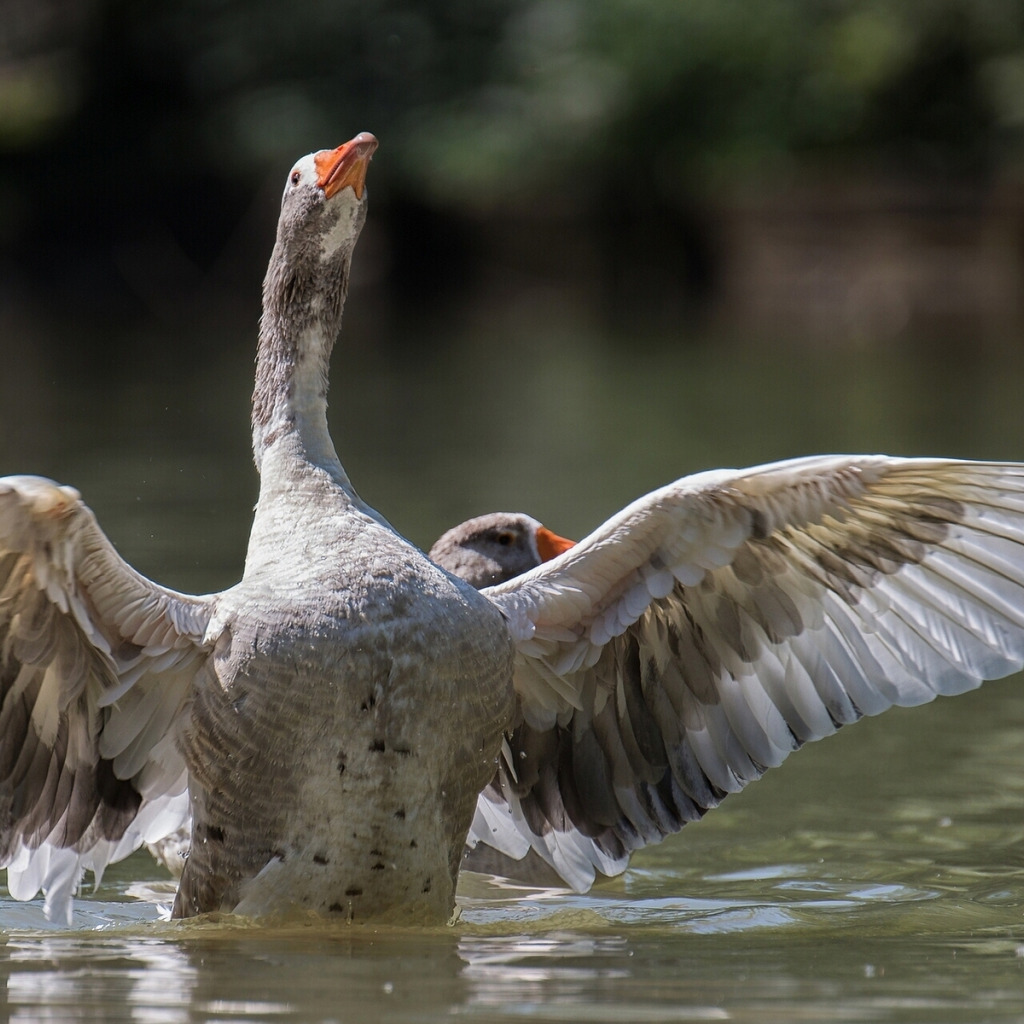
x: 316, y: 696
x: 348, y: 717
x: 482, y: 551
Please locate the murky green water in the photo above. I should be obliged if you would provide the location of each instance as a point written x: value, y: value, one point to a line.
x: 878, y: 876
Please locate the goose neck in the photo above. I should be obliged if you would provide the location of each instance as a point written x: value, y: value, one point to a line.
x: 297, y: 333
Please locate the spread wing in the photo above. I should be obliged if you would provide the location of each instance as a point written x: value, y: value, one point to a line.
x: 719, y: 623
x: 96, y: 663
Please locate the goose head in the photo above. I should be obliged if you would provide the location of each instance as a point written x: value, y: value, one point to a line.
x: 322, y: 212
x: 497, y: 547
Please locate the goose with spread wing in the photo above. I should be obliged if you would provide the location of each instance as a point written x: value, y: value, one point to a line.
x: 344, y: 719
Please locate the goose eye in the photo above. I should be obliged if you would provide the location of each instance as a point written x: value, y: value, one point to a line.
x: 296, y: 177
x: 505, y: 539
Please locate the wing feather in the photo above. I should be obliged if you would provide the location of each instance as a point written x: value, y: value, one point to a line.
x: 717, y: 624
x: 96, y: 664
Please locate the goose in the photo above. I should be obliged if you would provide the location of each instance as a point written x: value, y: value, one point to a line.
x: 349, y: 716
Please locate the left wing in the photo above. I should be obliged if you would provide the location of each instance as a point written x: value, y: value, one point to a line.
x: 97, y: 664
x: 719, y: 623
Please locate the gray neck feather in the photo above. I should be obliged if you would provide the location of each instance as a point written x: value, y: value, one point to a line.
x: 303, y: 300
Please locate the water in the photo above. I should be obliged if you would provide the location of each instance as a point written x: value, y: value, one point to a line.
x: 878, y: 876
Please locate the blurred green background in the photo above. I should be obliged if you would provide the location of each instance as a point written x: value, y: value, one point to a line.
x: 655, y: 165
x: 609, y: 242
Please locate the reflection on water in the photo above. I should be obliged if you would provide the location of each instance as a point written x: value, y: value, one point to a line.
x: 876, y: 876
x: 761, y: 956
x: 69, y: 979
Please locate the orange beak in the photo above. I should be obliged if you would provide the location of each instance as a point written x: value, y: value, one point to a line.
x: 550, y: 545
x: 346, y: 165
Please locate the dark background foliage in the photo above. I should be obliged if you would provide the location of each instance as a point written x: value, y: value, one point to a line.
x: 590, y: 145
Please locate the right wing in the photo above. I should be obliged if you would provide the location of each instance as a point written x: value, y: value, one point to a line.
x: 715, y: 625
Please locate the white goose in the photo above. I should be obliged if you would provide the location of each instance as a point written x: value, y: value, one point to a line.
x: 347, y: 713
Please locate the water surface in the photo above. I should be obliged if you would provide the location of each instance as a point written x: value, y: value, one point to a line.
x: 876, y: 876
